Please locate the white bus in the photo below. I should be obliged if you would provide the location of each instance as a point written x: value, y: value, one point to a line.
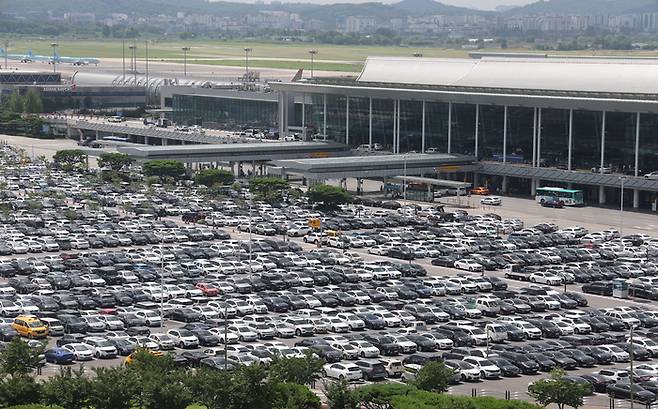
x: 570, y: 197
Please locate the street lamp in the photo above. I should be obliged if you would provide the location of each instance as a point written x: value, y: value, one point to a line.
x: 247, y: 50
x: 133, y: 62
x: 622, y: 179
x: 161, y: 279
x: 185, y: 50
x: 312, y: 53
x: 54, y: 46
x: 404, y: 185
x: 251, y: 269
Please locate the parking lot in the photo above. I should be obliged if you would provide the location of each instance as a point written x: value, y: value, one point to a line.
x: 502, y: 295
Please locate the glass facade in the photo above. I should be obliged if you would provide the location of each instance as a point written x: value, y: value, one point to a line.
x: 227, y: 113
x: 491, y: 132
x: 463, y: 129
x: 648, y: 152
x: 436, y: 126
x: 411, y: 126
x: 586, y: 151
x: 554, y: 145
x: 520, y: 122
x: 382, y: 123
x: 620, y: 142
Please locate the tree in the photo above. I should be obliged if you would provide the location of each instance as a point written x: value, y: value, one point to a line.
x: 339, y: 395
x: 69, y: 388
x: 114, y: 160
x: 160, y: 383
x: 113, y: 388
x: 15, y: 102
x: 32, y: 103
x: 302, y: 371
x: 434, y: 377
x: 70, y: 159
x: 212, y: 388
x: 293, y: 396
x: 19, y: 359
x: 164, y: 168
x: 251, y: 391
x: 269, y: 189
x: 212, y: 177
x: 557, y: 390
x: 329, y: 196
x: 19, y: 390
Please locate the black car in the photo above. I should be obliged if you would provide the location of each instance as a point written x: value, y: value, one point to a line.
x: 506, y: 367
x: 598, y: 287
x: 545, y: 363
x: 561, y: 359
x: 582, y: 360
x: 123, y: 346
x: 599, y: 384
x: 386, y: 344
x: 72, y: 323
x: 423, y: 344
x: 7, y: 333
x: 206, y: 338
x: 70, y: 339
x: 601, y: 356
x: 372, y: 321
x: 623, y: 390
x: 326, y: 352
x: 185, y: 315
x: 525, y: 364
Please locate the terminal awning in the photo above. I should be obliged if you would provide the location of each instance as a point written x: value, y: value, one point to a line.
x: 434, y: 182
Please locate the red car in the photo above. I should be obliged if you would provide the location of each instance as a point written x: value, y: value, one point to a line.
x: 207, y: 290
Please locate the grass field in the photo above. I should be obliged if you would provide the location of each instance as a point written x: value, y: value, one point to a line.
x: 287, y: 64
x: 264, y: 54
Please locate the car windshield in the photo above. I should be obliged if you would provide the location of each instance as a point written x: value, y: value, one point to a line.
x: 486, y: 362
x: 35, y: 324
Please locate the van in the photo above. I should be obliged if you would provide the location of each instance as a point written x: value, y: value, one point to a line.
x: 30, y: 327
x: 55, y: 327
x: 487, y: 306
x: 496, y: 332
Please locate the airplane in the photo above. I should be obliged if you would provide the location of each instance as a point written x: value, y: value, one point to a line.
x: 24, y: 58
x: 72, y: 60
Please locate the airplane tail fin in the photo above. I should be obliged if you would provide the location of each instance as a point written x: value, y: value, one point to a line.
x: 2, y: 52
x: 29, y: 53
x: 56, y: 55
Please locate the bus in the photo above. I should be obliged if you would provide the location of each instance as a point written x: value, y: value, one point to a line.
x: 569, y: 197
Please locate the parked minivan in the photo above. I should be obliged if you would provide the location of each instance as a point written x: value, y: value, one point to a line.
x: 487, y: 306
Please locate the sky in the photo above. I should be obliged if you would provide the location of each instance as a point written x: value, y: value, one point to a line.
x: 476, y: 4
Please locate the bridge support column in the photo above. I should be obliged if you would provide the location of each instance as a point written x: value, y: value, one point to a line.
x: 68, y: 131
x: 505, y: 182
x: 476, y: 179
x: 533, y: 187
x: 359, y: 186
x: 601, y: 195
x: 147, y: 140
x: 165, y: 141
x: 636, y: 198
x: 97, y: 135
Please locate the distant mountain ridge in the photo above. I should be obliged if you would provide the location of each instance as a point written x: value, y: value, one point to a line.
x: 586, y: 7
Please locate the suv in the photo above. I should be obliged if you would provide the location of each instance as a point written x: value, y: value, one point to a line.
x: 372, y: 369
x: 30, y: 327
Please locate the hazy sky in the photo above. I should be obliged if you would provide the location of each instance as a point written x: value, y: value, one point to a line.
x: 478, y: 4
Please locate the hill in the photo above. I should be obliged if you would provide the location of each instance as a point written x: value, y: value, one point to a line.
x: 586, y: 7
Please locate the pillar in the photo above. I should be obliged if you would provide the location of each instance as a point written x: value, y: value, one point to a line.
x: 422, y: 132
x: 636, y: 198
x: 165, y: 141
x: 476, y: 179
x: 505, y: 180
x: 324, y: 116
x: 359, y: 186
x: 304, y: 117
x: 602, y: 150
x: 601, y: 195
x: 449, y: 127
x: 282, y: 115
x: 637, y: 146
x: 539, y: 138
x: 534, y: 138
x: 505, y: 134
x: 147, y: 141
x: 533, y: 187
x: 97, y: 135
x: 231, y: 166
x: 347, y: 121
x: 570, y: 138
x: 477, y: 128
x: 370, y: 126
x: 68, y: 131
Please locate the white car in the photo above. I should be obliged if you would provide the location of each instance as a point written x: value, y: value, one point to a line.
x: 530, y: 331
x: 152, y: 318
x: 491, y: 201
x: 388, y: 317
x: 112, y: 322
x: 614, y: 375
x: 144, y: 342
x: 647, y: 343
x: 81, y: 352
x: 468, y: 265
x: 164, y: 341
x: 366, y: 349
x: 336, y: 324
x: 183, y: 338
x: 354, y: 322
x: 244, y: 333
x: 101, y: 347
x: 342, y: 370
x: 618, y: 354
x: 545, y: 278
x: 487, y: 368
x: 225, y: 337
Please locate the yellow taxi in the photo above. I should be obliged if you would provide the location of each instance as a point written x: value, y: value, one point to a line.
x: 130, y: 358
x: 30, y: 326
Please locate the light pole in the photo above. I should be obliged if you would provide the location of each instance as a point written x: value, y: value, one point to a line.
x: 54, y: 46
x: 162, y: 280
x: 630, y: 349
x: 622, y: 179
x: 312, y: 52
x: 247, y: 50
x: 404, y: 185
x: 185, y: 50
x: 251, y: 270
x: 133, y: 62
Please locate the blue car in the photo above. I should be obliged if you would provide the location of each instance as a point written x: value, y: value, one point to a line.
x: 59, y: 356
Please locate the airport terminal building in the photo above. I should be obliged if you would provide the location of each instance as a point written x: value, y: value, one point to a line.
x: 584, y: 123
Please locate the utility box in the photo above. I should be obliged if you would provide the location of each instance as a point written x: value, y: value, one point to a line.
x: 619, y: 288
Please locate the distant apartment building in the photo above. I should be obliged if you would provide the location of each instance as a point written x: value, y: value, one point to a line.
x: 80, y: 17
x: 360, y: 24
x: 274, y: 19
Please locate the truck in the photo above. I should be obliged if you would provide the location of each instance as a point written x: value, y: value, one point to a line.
x: 517, y: 272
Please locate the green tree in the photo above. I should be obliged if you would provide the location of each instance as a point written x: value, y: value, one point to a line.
x: 19, y: 359
x: 212, y: 177
x: 251, y: 391
x: 15, y: 103
x: 434, y: 377
x: 302, y: 371
x: 32, y: 103
x: 19, y: 390
x: 114, y: 160
x: 113, y: 388
x: 164, y: 168
x: 557, y: 390
x: 293, y: 396
x: 69, y: 388
x: 340, y: 396
x: 212, y: 388
x: 329, y: 196
x: 70, y: 159
x: 160, y: 383
x: 269, y: 189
